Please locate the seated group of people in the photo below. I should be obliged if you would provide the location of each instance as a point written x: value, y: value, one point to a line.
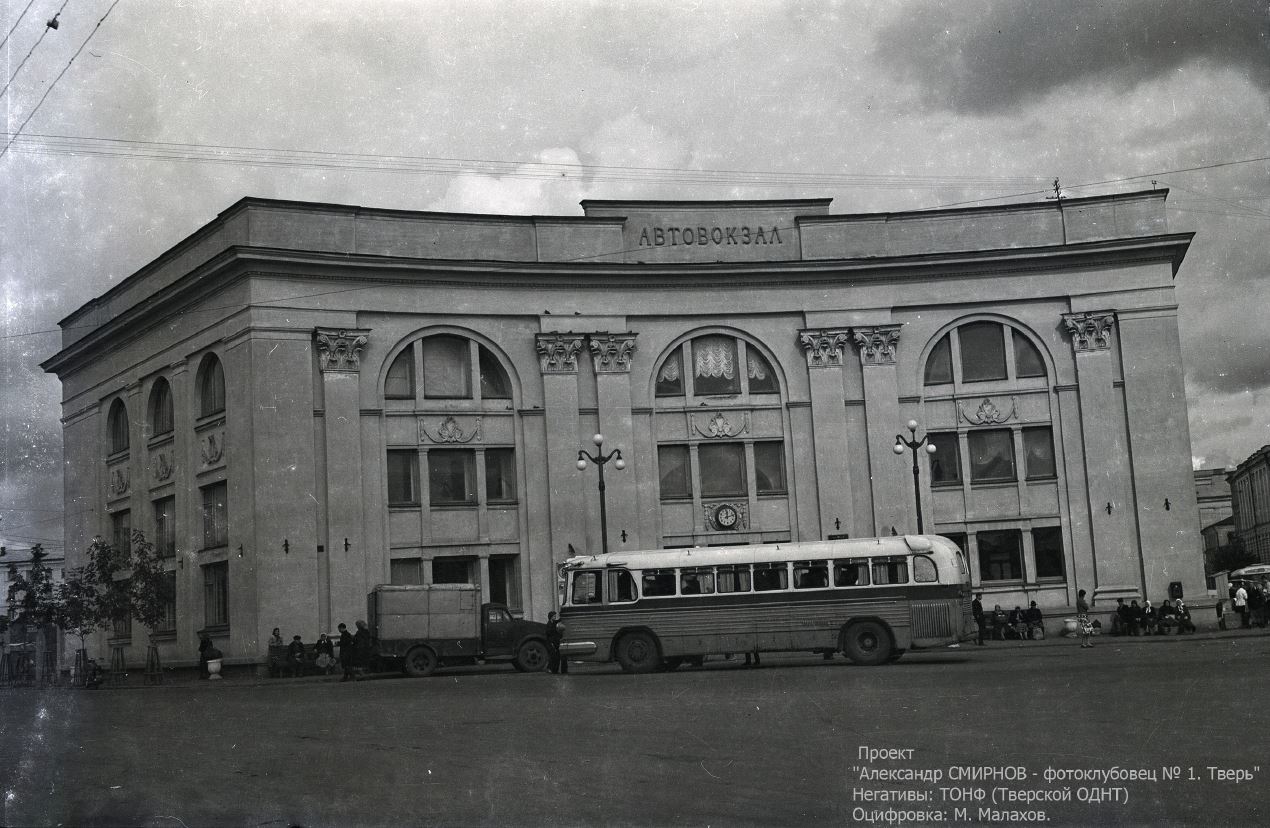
x: 1018, y: 623
x: 1132, y: 619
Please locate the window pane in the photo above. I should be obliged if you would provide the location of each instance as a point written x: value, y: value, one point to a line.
x: 1000, y: 558
x: 890, y: 570
x: 447, y: 367
x: 991, y: 456
x: 657, y: 583
x: 1027, y: 359
x: 211, y: 387
x: 400, y: 383
x: 939, y: 363
x: 945, y: 463
x: 811, y: 574
x: 494, y: 382
x: 403, y: 477
x: 165, y: 527
x: 167, y: 597
x: 696, y: 581
x: 452, y: 477
x: 122, y: 624
x: 850, y: 573
x: 1048, y: 544
x: 714, y: 366
x: 453, y: 570
x: 500, y: 475
x: 118, y: 427
x: 621, y: 586
x: 121, y: 530
x: 982, y: 351
x: 759, y: 373
x: 722, y: 469
x: 216, y: 594
x: 670, y: 379
x: 1038, y: 451
x: 160, y: 408
x: 770, y: 577
x: 404, y: 571
x: 673, y: 469
x: 215, y: 516
x: 924, y: 570
x: 734, y: 578
x: 586, y: 588
x: 769, y: 467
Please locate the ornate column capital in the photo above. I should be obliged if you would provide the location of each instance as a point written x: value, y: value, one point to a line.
x: 1090, y: 331
x: 558, y: 352
x: 877, y: 344
x: 823, y: 346
x: 340, y: 349
x: 610, y: 352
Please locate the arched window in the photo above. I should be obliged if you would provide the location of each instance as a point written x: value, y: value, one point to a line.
x: 450, y: 371
x: 211, y: 386
x: 117, y: 422
x: 721, y: 365
x: 983, y: 351
x: 160, y: 408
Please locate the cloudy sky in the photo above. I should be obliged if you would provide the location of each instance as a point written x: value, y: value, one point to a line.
x: 140, y: 120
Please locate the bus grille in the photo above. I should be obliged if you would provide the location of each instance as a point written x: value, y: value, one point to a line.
x: 932, y: 619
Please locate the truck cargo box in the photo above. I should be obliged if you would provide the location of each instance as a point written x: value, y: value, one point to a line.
x: 426, y: 611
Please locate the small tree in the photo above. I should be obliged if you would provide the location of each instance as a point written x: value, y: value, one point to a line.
x: 1228, y: 558
x: 31, y: 593
x: 78, y: 603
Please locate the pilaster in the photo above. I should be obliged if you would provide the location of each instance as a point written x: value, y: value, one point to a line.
x: 825, y: 350
x: 558, y: 362
x: 892, y: 501
x: 611, y: 359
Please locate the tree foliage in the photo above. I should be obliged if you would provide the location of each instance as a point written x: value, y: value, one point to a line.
x: 31, y: 592
x: 1228, y: 558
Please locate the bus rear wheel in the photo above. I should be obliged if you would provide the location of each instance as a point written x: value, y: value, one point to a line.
x: 637, y: 653
x: 420, y: 661
x: 867, y: 643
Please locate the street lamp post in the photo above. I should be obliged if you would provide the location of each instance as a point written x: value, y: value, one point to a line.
x: 600, y: 459
x: 914, y: 445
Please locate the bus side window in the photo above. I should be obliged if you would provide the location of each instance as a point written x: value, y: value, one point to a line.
x: 658, y: 582
x: 734, y: 578
x: 850, y: 573
x: 811, y: 574
x: 696, y: 581
x: 890, y: 571
x: 770, y: 577
x: 924, y: 570
x: 621, y: 587
x: 586, y: 588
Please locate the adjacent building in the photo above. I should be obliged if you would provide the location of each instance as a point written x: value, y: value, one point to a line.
x: 1250, y: 499
x: 301, y: 400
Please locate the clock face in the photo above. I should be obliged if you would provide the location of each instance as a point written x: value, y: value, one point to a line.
x: 725, y: 516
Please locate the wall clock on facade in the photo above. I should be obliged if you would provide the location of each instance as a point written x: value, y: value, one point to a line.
x: 725, y: 516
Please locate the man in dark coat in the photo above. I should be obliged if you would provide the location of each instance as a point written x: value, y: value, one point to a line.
x: 362, y: 646
x: 348, y: 654
x: 976, y: 609
x: 555, y: 632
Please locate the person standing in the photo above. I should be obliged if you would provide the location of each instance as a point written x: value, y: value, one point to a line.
x: 1083, y: 621
x: 362, y: 646
x: 976, y: 609
x: 348, y: 653
x: 555, y: 632
x: 1241, y: 606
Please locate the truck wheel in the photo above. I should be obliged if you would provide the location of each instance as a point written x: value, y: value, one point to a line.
x: 420, y: 661
x: 532, y: 657
x: 867, y: 643
x: 637, y: 653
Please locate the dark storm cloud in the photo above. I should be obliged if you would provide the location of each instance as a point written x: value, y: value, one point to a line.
x: 994, y: 55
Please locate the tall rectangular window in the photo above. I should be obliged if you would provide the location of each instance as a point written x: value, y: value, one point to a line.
x: 991, y: 456
x: 1047, y: 542
x: 168, y: 596
x: 216, y: 594
x: 500, y: 475
x: 982, y: 351
x: 769, y: 467
x: 1038, y: 453
x: 945, y: 463
x: 403, y: 477
x: 404, y: 571
x: 121, y: 530
x: 674, y: 472
x: 1000, y: 555
x: 215, y: 515
x: 121, y: 626
x: 452, y: 477
x: 165, y: 527
x: 447, y: 368
x: 722, y: 469
x: 504, y: 580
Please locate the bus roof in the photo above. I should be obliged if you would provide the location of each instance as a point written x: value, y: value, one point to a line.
x: 774, y: 552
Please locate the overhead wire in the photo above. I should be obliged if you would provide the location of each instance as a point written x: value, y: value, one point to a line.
x: 38, y: 41
x: 14, y: 27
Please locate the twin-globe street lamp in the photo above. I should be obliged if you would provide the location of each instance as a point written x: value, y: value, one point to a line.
x: 914, y: 444
x: 600, y: 459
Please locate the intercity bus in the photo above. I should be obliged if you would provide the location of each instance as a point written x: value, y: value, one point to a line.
x: 870, y: 598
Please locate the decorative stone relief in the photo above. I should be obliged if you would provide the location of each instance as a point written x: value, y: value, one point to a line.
x: 449, y: 431
x: 340, y: 349
x: 877, y: 344
x: 725, y: 517
x: 824, y: 347
x: 161, y: 466
x: 988, y: 413
x: 1090, y: 331
x: 611, y: 353
x: 720, y: 426
x: 119, y: 481
x: 211, y: 447
x: 558, y: 353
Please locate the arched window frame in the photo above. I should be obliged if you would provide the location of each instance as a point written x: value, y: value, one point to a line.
x: 1012, y: 331
x: 680, y: 359
x: 117, y: 427
x: 480, y: 357
x: 211, y: 386
x: 160, y: 408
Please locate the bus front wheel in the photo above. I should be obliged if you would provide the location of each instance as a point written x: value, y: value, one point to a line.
x: 867, y: 643
x: 637, y: 653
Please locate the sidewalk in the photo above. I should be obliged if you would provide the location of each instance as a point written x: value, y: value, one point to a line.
x: 1207, y: 631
